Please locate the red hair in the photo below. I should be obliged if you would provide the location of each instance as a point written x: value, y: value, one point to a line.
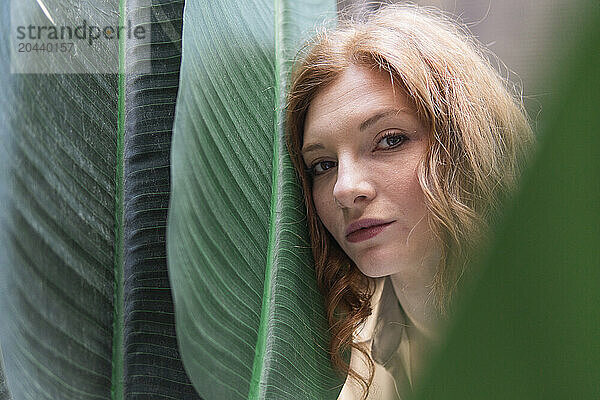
x: 479, y: 139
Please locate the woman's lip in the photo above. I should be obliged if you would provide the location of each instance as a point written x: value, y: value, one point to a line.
x: 365, y: 223
x: 367, y: 233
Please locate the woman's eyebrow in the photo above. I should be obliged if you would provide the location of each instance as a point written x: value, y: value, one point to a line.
x: 384, y: 113
x: 312, y: 147
x: 364, y: 125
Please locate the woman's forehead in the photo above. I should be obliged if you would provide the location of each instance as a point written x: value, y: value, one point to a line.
x: 357, y: 97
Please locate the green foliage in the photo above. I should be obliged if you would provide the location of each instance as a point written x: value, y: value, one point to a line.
x: 249, y: 317
x: 530, y: 328
x: 85, y: 302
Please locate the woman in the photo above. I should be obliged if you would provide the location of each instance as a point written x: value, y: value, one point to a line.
x: 406, y: 143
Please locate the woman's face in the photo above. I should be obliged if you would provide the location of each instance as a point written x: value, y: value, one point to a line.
x: 364, y: 142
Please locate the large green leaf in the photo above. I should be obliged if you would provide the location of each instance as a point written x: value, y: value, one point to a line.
x: 85, y: 303
x: 531, y: 326
x: 250, y: 319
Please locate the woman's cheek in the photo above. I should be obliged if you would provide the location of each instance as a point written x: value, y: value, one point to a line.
x: 324, y: 208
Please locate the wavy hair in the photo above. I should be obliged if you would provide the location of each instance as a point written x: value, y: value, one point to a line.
x: 479, y: 137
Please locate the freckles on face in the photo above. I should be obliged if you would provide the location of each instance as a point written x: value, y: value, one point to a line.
x: 363, y: 143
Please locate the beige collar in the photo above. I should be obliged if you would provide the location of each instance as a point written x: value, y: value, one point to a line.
x: 385, y: 328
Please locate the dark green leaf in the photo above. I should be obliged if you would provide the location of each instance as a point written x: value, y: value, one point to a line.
x: 85, y: 303
x: 4, y: 393
x: 152, y: 365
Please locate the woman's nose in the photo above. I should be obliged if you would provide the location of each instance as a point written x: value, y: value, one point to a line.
x: 353, y: 186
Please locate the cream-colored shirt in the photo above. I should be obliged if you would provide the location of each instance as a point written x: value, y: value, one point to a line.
x: 384, y: 334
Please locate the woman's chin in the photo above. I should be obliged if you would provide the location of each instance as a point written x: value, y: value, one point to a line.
x: 378, y: 260
x: 377, y: 267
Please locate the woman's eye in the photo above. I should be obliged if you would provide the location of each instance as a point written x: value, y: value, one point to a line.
x: 322, y: 167
x: 391, y: 141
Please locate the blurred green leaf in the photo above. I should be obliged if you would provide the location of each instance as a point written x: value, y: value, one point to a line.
x: 530, y: 327
x: 250, y: 320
